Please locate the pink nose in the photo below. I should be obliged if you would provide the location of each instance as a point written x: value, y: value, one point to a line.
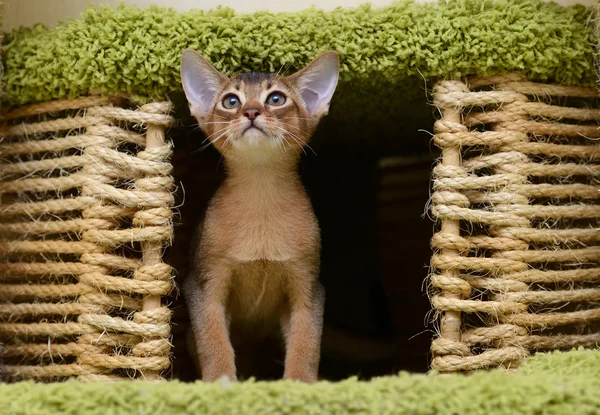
x: 252, y: 113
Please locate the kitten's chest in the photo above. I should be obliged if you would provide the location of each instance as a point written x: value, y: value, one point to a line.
x: 275, y: 233
x: 279, y: 227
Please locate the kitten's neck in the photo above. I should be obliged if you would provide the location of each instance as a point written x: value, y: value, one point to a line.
x: 276, y: 174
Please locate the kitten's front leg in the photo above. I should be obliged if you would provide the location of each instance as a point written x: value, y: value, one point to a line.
x: 206, y: 305
x: 302, y: 325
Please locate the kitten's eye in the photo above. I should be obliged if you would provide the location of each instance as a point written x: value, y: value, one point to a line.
x: 231, y: 101
x: 276, y: 99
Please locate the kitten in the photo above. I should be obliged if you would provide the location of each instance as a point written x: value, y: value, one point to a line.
x: 256, y: 264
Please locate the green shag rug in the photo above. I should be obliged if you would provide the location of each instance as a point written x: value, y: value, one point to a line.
x: 555, y: 383
x: 137, y: 50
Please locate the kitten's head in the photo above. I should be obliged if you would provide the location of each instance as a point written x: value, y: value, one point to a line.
x: 258, y: 113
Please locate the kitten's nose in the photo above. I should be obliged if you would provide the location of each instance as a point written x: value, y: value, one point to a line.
x: 251, y: 113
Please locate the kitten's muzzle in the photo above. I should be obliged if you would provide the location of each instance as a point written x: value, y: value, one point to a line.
x: 251, y: 114
x: 253, y: 124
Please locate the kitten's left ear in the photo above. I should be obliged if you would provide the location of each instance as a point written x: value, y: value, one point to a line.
x: 317, y: 82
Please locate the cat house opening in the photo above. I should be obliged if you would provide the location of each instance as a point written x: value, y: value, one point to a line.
x: 367, y: 174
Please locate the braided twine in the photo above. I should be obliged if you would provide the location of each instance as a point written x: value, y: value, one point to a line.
x: 516, y: 267
x: 85, y: 212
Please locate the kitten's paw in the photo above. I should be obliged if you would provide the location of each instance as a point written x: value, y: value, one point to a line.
x: 226, y: 380
x: 300, y: 376
x: 224, y: 376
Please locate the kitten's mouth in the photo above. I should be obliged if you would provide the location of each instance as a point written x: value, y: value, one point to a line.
x: 253, y: 127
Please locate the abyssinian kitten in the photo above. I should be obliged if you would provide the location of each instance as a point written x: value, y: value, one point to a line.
x: 256, y: 261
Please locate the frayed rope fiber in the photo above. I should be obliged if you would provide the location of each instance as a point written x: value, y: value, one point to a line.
x: 137, y: 50
x: 550, y: 383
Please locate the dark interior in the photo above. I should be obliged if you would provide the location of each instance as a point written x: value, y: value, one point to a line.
x: 369, y: 185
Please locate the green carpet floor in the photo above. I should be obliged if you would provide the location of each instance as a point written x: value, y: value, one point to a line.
x: 557, y: 383
x: 137, y: 50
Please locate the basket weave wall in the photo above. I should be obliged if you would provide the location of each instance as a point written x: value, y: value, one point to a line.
x: 516, y: 267
x: 85, y: 212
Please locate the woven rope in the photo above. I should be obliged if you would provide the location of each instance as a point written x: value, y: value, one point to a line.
x: 517, y: 197
x: 74, y: 238
x: 597, y: 57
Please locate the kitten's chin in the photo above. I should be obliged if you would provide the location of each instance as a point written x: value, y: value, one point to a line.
x: 255, y: 146
x: 255, y: 138
x: 253, y: 135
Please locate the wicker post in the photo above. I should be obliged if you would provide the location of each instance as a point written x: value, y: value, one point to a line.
x: 454, y: 289
x: 450, y: 325
x: 152, y: 250
x: 526, y: 192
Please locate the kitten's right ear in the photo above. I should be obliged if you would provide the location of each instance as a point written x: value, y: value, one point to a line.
x: 201, y: 82
x: 317, y: 82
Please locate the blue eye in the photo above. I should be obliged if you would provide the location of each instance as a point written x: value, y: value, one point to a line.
x: 231, y: 101
x: 276, y: 99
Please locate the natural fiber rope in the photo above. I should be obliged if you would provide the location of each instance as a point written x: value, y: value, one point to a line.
x: 492, y: 335
x: 40, y: 372
x: 456, y: 291
x: 152, y: 250
x: 597, y: 57
x: 57, y: 106
x: 105, y: 135
x: 525, y: 207
x: 65, y: 296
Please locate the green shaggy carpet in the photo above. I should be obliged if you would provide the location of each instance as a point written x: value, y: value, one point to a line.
x: 557, y: 383
x: 137, y: 50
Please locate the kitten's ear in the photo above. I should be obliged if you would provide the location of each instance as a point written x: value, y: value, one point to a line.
x: 201, y: 82
x: 317, y: 82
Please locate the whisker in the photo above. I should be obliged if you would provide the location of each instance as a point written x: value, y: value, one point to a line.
x: 303, y: 142
x: 297, y: 128
x: 290, y: 144
x: 281, y: 143
x: 212, y: 142
x: 310, y: 148
x: 296, y: 139
x: 296, y: 118
x: 280, y: 75
x: 213, y: 134
x: 279, y: 72
x: 214, y: 122
x: 287, y: 69
x: 220, y: 158
x: 226, y: 141
x: 232, y: 132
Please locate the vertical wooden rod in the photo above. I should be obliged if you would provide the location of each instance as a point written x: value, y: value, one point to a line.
x: 451, y: 321
x: 152, y: 251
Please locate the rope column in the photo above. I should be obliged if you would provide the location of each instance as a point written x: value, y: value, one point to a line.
x: 448, y: 279
x: 157, y: 217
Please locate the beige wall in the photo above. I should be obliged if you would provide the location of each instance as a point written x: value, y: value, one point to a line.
x: 27, y: 12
